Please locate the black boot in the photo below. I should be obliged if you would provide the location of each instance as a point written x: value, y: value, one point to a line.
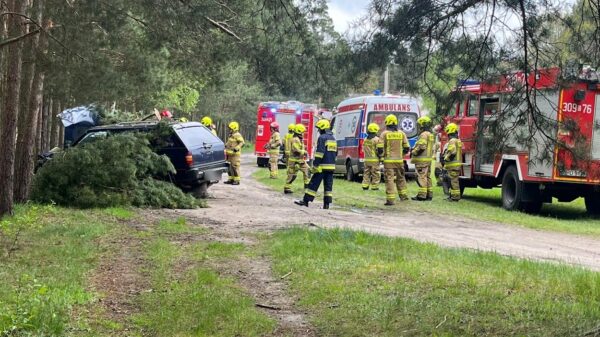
x: 288, y: 191
x: 418, y: 198
x: 301, y: 203
x: 326, y: 205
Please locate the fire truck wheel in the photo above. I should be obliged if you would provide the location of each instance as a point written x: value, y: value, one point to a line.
x: 350, y: 176
x: 512, y: 189
x: 592, y: 204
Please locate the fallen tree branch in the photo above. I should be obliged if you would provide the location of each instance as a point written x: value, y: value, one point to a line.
x: 267, y: 306
x: 223, y: 28
x: 18, y: 38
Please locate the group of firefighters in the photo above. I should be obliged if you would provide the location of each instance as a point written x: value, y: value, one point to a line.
x: 390, y: 147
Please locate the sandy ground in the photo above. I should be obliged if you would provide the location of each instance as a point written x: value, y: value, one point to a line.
x: 252, y: 206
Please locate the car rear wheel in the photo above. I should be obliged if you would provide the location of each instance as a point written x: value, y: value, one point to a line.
x: 200, y: 191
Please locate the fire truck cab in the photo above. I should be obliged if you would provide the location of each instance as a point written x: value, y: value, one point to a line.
x: 284, y: 113
x: 536, y: 149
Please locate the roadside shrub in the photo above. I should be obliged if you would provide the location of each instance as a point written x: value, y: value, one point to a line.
x: 119, y: 170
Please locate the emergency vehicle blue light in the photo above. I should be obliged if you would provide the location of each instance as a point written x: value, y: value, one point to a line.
x: 273, y: 110
x: 298, y: 112
x: 377, y: 92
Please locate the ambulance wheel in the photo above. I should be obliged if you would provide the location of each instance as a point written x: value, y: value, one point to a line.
x: 350, y: 176
x: 592, y: 204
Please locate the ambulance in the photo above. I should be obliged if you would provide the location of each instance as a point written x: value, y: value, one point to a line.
x: 350, y: 127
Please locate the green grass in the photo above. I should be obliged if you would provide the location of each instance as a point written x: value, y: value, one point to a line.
x: 44, y: 277
x: 477, y: 204
x: 188, y: 297
x: 356, y: 284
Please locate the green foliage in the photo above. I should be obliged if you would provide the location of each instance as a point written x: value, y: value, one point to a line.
x: 46, y: 277
x: 12, y: 228
x: 119, y: 170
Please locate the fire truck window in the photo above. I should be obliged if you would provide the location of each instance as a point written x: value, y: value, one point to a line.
x: 461, y: 110
x: 473, y: 106
x: 490, y: 106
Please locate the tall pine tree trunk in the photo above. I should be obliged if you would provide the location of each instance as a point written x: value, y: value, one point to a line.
x: 54, y: 124
x: 28, y: 121
x: 3, y: 63
x: 8, y: 119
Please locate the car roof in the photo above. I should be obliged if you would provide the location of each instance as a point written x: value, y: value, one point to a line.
x: 143, y: 125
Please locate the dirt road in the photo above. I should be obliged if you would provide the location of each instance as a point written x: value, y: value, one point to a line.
x: 254, y: 207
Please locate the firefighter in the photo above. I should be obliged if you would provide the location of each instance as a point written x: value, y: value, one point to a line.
x: 296, y: 161
x: 392, y: 148
x: 421, y: 156
x: 207, y: 121
x: 287, y: 144
x: 273, y: 146
x: 233, y: 149
x: 323, y: 166
x: 453, y: 160
x: 437, y: 153
x: 371, y: 175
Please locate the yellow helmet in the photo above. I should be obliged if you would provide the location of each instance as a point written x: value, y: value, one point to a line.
x: 183, y: 120
x: 206, y: 121
x: 234, y: 126
x: 291, y: 127
x: 323, y: 124
x: 373, y: 128
x: 424, y: 121
x: 300, y: 129
x: 451, y: 128
x: 391, y: 120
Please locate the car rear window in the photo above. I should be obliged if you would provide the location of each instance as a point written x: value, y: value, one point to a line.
x: 196, y: 136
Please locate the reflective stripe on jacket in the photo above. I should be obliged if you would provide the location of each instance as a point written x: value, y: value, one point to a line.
x: 297, y: 150
x: 394, y: 145
x: 274, y: 143
x: 287, y: 144
x: 370, y: 148
x: 423, y: 150
x: 326, y: 152
x: 234, y: 144
x: 453, y: 154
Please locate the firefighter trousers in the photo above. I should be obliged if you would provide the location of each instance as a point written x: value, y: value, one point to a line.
x: 424, y: 180
x: 234, y: 167
x: 371, y: 176
x: 454, y: 174
x: 313, y: 186
x: 273, y: 159
x: 293, y: 168
x: 395, y: 181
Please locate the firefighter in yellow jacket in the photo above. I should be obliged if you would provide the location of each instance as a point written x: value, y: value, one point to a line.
x: 453, y: 160
x: 437, y: 152
x: 287, y: 144
x: 273, y: 146
x: 297, y: 161
x: 207, y: 121
x: 392, y: 148
x: 421, y: 156
x: 371, y: 175
x: 233, y: 149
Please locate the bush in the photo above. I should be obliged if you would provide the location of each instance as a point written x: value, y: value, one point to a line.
x: 119, y: 170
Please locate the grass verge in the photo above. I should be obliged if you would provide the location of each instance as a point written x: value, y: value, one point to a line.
x: 188, y: 298
x: 47, y: 253
x: 477, y: 204
x: 356, y: 284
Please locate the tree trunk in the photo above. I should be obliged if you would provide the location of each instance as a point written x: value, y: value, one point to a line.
x: 46, y: 130
x: 26, y: 140
x: 61, y: 129
x: 52, y: 121
x: 3, y: 63
x: 8, y: 120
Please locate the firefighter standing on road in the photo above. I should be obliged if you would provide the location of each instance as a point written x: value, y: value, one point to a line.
x: 297, y: 161
x: 323, y: 166
x: 453, y: 160
x: 394, y: 145
x: 371, y: 175
x: 207, y: 121
x: 273, y: 146
x: 233, y: 149
x: 421, y: 156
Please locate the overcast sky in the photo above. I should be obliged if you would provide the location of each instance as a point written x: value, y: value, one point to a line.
x: 343, y: 12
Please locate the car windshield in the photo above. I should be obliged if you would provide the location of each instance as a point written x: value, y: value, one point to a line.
x: 92, y: 136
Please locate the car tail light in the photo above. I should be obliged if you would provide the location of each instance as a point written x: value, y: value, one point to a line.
x: 361, y: 152
x: 189, y: 159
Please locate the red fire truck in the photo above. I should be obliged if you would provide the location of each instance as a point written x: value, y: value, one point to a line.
x: 554, y: 152
x: 284, y: 113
